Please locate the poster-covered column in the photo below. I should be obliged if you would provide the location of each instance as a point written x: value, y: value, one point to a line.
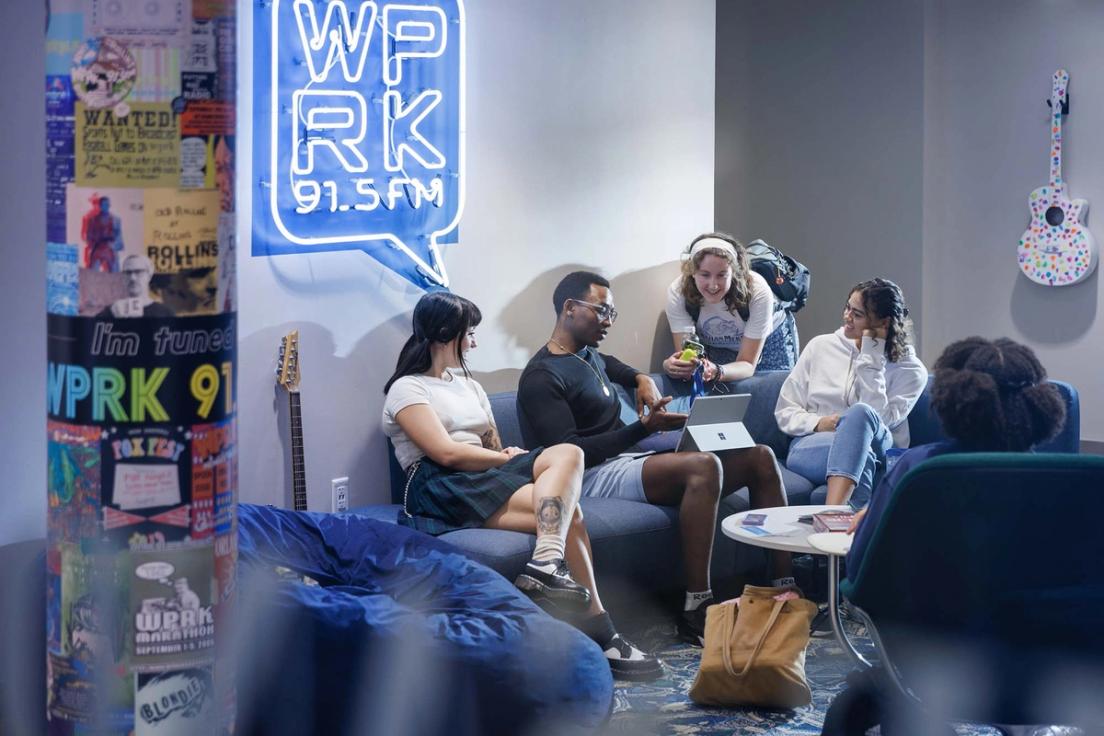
x: 141, y: 430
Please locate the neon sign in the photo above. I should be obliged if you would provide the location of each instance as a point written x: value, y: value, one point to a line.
x: 359, y: 130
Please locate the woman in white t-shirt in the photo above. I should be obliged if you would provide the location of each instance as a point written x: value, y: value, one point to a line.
x: 732, y: 311
x: 459, y: 475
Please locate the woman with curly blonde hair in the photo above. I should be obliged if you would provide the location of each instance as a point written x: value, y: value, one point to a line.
x: 847, y: 400
x: 731, y: 310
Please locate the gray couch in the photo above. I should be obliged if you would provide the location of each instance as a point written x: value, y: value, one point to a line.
x: 636, y: 546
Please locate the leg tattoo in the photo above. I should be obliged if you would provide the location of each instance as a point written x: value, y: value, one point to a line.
x: 550, y: 516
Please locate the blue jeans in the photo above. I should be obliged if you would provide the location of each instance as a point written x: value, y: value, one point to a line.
x: 856, y: 450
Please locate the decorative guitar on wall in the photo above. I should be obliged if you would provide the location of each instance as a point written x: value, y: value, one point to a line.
x: 287, y: 375
x: 1057, y: 249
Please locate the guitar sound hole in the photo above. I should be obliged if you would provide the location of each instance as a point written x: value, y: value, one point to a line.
x: 1055, y: 216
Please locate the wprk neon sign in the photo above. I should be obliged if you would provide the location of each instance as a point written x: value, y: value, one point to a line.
x: 359, y: 130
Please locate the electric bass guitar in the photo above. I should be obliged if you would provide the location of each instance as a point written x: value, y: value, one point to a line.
x: 287, y: 375
x: 1057, y: 249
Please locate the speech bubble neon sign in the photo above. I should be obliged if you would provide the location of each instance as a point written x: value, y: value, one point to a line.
x: 359, y: 130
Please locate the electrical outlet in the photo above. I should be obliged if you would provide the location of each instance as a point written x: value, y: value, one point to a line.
x: 339, y: 494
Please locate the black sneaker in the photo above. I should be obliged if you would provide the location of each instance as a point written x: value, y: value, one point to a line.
x: 627, y: 662
x: 691, y: 624
x: 552, y: 583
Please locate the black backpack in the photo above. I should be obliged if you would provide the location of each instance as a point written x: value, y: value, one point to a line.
x: 787, y: 278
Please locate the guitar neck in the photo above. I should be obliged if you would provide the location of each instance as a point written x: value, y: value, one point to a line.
x: 1057, y: 100
x: 298, y: 469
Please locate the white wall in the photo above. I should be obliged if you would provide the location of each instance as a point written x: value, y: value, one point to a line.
x: 23, y: 276
x: 988, y: 74
x: 590, y: 143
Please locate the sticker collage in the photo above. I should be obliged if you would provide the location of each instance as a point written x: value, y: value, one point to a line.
x: 141, y: 430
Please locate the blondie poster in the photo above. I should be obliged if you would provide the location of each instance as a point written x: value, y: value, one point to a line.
x: 141, y: 355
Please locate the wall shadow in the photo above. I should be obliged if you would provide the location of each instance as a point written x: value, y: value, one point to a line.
x: 368, y: 366
x: 1054, y: 315
x: 313, y: 339
x: 340, y: 397
x: 641, y: 336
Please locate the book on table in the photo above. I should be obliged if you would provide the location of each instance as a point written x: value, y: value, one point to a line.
x: 832, y: 521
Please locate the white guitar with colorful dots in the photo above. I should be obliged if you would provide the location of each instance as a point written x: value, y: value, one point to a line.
x: 1057, y: 249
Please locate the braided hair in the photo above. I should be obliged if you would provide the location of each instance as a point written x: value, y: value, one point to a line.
x: 883, y: 299
x: 992, y: 395
x: 439, y: 316
x: 738, y: 295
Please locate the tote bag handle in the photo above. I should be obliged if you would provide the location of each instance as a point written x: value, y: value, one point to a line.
x: 758, y: 646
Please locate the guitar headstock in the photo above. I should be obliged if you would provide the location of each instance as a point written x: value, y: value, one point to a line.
x: 287, y: 365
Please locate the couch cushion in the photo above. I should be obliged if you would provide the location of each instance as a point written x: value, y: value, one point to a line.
x: 620, y: 534
x: 504, y: 408
x: 797, y: 487
x: 819, y: 495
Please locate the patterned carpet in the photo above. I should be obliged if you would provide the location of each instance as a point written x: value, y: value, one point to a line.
x: 662, y: 707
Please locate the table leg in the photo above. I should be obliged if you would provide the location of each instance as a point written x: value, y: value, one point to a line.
x: 834, y: 613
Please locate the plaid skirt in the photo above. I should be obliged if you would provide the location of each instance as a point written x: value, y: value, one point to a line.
x: 439, y: 500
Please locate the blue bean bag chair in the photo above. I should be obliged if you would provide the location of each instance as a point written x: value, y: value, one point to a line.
x: 402, y: 635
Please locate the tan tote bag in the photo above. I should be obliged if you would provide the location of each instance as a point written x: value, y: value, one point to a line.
x: 755, y: 654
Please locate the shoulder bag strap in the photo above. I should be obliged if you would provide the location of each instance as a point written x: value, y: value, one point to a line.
x: 758, y: 646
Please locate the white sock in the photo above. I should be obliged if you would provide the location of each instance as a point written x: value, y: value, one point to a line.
x: 694, y: 600
x: 549, y: 547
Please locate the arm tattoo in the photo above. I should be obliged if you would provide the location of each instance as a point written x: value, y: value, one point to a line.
x: 490, y: 440
x: 550, y: 515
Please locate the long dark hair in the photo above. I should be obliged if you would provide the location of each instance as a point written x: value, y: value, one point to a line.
x: 439, y: 316
x: 992, y: 395
x: 738, y: 296
x: 883, y: 299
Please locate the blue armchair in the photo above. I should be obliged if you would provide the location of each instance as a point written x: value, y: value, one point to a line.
x: 984, y: 589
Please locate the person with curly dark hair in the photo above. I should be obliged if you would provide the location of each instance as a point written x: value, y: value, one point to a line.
x: 990, y: 396
x: 848, y: 398
x: 732, y: 311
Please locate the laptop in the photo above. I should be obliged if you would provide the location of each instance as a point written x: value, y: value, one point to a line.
x: 716, y: 423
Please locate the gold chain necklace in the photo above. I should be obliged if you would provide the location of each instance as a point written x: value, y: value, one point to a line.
x: 605, y: 388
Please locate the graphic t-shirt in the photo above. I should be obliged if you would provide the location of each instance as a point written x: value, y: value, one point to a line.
x: 717, y: 327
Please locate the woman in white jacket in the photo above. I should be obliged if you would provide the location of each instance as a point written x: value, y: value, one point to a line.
x: 848, y: 398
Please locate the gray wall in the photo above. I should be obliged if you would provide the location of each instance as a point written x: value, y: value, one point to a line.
x: 903, y: 139
x: 23, y: 277
x: 590, y: 144
x: 820, y: 140
x: 988, y: 73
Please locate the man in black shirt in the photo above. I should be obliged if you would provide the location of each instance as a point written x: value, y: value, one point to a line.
x: 566, y: 394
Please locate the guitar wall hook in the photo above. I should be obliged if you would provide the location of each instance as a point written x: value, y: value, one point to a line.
x: 1065, y: 104
x: 1057, y: 248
